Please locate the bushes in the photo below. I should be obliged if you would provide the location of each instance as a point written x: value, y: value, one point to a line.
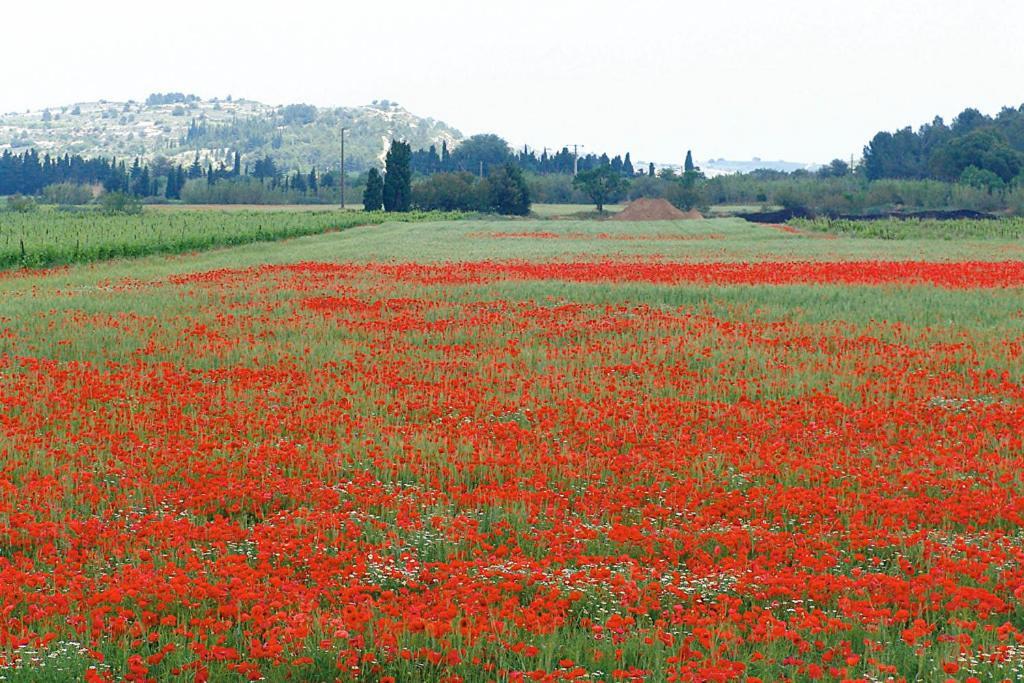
x: 687, y: 192
x: 1015, y: 200
x: 982, y: 178
x: 251, y: 191
x: 67, y: 194
x: 555, y: 189
x: 21, y: 204
x: 505, y: 191
x: 856, y: 195
x: 120, y: 203
x: 646, y: 187
x: 450, y: 192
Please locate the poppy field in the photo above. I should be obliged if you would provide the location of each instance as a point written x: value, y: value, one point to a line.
x: 464, y: 452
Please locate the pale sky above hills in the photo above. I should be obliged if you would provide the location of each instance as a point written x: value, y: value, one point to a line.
x: 805, y: 80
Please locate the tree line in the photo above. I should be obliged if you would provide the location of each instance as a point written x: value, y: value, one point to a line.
x: 29, y: 173
x: 480, y: 154
x: 504, y: 189
x: 976, y: 149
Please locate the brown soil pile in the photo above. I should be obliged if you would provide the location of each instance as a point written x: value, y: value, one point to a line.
x: 655, y: 210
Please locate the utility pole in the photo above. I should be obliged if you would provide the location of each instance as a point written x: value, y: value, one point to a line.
x: 575, y: 159
x: 343, y: 166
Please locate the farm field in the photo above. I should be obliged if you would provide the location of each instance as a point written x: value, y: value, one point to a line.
x: 503, y: 450
x: 559, y: 210
x: 267, y: 208
x: 893, y: 229
x: 53, y: 237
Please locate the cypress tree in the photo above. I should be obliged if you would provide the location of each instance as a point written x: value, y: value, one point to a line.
x: 688, y: 164
x: 434, y: 163
x: 398, y: 177
x: 170, y: 191
x: 143, y: 186
x: 373, y: 195
x: 627, y: 166
x: 446, y: 157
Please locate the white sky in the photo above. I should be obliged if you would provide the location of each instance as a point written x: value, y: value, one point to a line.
x: 804, y: 80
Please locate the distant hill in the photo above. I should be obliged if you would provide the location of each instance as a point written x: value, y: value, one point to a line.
x: 177, y: 126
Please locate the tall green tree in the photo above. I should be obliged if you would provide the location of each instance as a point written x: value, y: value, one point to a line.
x: 688, y: 165
x: 373, y: 195
x: 602, y: 184
x: 446, y: 157
x: 487, y: 150
x: 398, y: 177
x: 175, y: 182
x: 508, y: 192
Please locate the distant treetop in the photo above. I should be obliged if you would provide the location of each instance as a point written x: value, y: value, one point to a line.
x: 170, y: 98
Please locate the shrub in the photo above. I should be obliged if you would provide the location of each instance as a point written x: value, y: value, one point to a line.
x: 120, y: 203
x: 450, y: 192
x: 982, y: 178
x: 647, y: 187
x: 67, y: 194
x: 554, y: 189
x: 21, y: 203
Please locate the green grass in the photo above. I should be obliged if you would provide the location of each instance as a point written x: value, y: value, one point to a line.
x: 568, y: 210
x: 264, y: 208
x: 894, y: 229
x: 723, y: 239
x: 50, y: 237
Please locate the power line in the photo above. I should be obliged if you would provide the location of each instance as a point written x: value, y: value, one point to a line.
x: 575, y: 159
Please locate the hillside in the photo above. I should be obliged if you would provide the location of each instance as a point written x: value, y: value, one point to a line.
x: 176, y: 127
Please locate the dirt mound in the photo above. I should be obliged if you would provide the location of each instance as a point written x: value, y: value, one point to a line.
x: 655, y: 210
